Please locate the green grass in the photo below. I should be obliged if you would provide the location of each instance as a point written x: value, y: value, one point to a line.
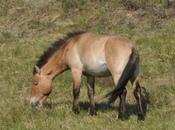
x: 28, y: 28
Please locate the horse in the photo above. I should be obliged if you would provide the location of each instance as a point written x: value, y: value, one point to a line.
x: 91, y: 55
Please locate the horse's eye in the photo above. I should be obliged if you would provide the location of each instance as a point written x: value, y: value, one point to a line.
x: 35, y: 83
x: 49, y: 73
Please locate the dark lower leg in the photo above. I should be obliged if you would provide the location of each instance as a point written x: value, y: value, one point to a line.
x: 140, y: 103
x: 122, y: 104
x: 76, y: 75
x: 91, y: 93
x: 76, y: 92
x: 92, y: 101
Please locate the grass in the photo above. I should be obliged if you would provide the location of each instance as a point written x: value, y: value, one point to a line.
x: 27, y: 28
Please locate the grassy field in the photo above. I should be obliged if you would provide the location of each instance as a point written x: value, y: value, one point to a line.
x: 28, y: 27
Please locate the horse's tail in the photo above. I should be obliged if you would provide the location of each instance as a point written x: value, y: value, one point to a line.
x: 126, y: 75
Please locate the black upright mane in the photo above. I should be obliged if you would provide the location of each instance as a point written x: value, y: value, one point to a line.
x: 54, y: 47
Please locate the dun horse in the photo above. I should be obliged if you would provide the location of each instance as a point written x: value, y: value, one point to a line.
x: 91, y: 55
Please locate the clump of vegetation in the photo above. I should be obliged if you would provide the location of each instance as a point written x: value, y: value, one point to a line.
x: 135, y: 4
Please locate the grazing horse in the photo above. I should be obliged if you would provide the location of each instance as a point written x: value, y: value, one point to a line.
x: 92, y: 55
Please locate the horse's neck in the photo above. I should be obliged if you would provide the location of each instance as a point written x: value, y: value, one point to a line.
x: 55, y: 65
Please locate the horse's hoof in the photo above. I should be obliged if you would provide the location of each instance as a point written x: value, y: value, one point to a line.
x: 76, y: 110
x: 141, y: 117
x: 122, y: 117
x: 93, y: 113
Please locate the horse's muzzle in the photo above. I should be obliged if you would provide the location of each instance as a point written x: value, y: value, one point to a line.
x: 34, y: 102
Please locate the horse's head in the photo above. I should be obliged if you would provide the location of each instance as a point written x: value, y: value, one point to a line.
x: 42, y: 86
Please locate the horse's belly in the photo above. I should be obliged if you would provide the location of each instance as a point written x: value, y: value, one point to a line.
x: 99, y: 69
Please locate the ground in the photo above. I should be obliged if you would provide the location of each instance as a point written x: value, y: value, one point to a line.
x: 27, y: 28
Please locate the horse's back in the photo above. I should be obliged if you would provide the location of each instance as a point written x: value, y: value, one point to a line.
x: 98, y: 55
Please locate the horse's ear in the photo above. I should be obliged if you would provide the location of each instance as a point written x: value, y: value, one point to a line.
x: 37, y: 69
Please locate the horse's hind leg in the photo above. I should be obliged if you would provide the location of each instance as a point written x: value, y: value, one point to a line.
x: 122, y: 104
x: 140, y: 100
x: 76, y: 75
x: 121, y: 93
x: 91, y: 93
x: 138, y: 94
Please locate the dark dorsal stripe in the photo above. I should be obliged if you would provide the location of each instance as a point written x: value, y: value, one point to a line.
x: 53, y: 48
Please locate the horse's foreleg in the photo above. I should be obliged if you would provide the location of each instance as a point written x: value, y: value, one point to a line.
x: 139, y: 98
x: 76, y: 75
x: 122, y: 104
x: 91, y: 93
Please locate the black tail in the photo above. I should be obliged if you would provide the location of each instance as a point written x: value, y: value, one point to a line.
x: 126, y: 75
